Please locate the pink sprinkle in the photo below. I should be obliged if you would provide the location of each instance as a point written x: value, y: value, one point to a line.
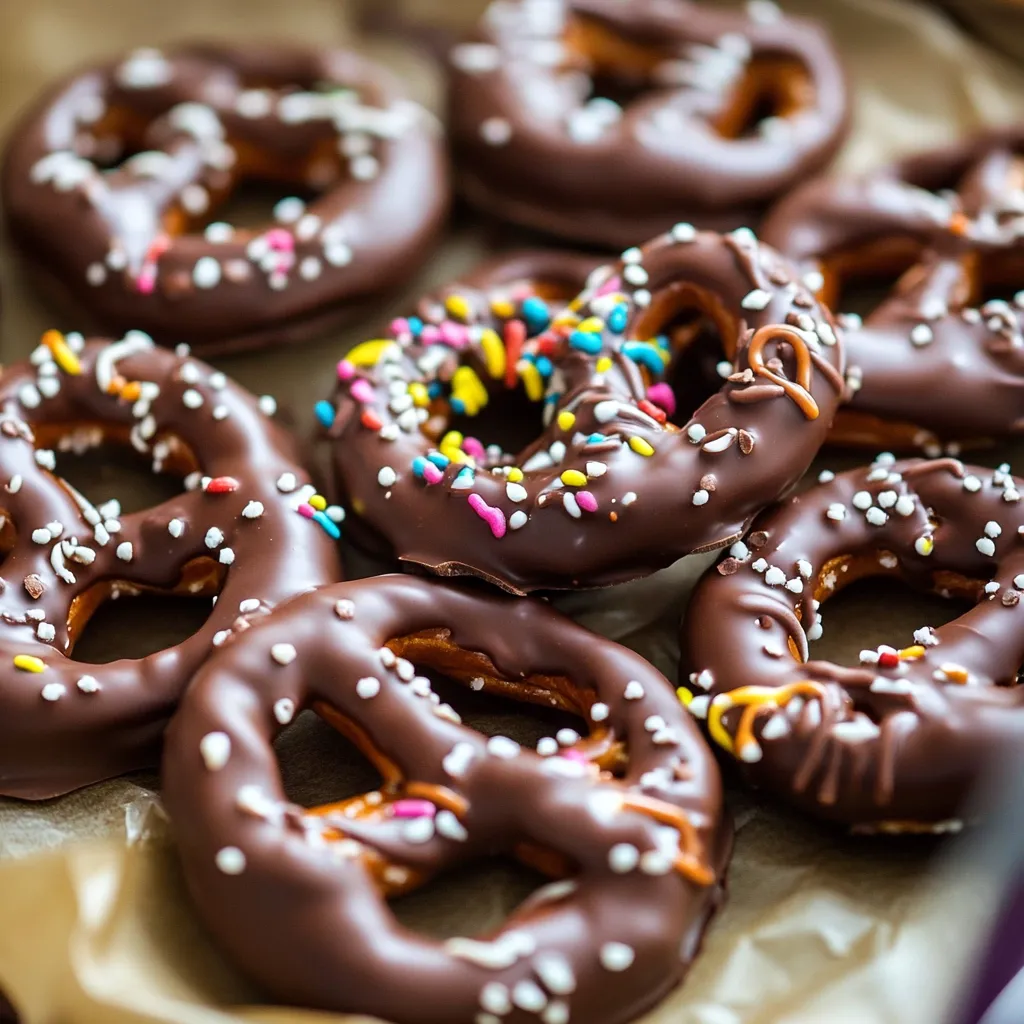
x: 280, y: 240
x: 432, y: 474
x: 661, y: 395
x: 456, y: 335
x: 346, y: 370
x: 586, y: 501
x: 473, y: 448
x: 307, y: 510
x: 146, y: 281
x: 400, y: 326
x: 362, y: 391
x: 493, y: 517
x: 613, y: 284
x: 575, y: 755
x: 413, y: 809
x: 430, y: 335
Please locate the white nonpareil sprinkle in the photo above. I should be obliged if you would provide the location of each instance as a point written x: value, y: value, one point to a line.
x: 496, y: 131
x: 567, y: 737
x: 836, y: 512
x: 701, y: 497
x: 993, y: 529
x: 284, y: 710
x: 972, y: 484
x: 986, y: 546
x: 862, y: 500
x: 175, y: 527
x: 387, y: 477
x: 599, y: 712
x: 226, y: 556
x: 616, y: 956
x: 206, y: 273
x: 41, y: 536
x: 775, y: 577
x: 88, y: 684
x: 503, y: 747
x: 231, y: 860
x: 267, y: 404
x: 758, y: 299
x: 684, y: 232
x: 286, y: 483
x: 253, y: 510
x: 289, y: 210
x: 214, y: 537
x: 634, y: 690
x: 215, y: 749
x: 368, y: 687
x: 124, y: 551
x: 250, y: 604
x: 191, y: 399
x: 556, y: 972
x: 345, y: 609
x: 921, y: 335
x: 283, y: 654
x: 494, y: 998
x: 547, y: 746
x: 635, y: 275
x: 529, y: 996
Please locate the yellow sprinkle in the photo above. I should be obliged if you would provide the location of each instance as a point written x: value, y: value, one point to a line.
x: 640, y: 446
x: 685, y: 696
x: 494, y: 353
x: 370, y: 353
x: 532, y: 380
x: 62, y: 355
x: 465, y: 380
x: 912, y: 653
x: 319, y: 502
x: 925, y: 545
x: 604, y: 364
x: 565, y: 319
x: 515, y: 474
x: 420, y: 395
x: 566, y: 419
x: 457, y: 306
x: 453, y: 439
x: 574, y: 478
x: 592, y: 325
x: 503, y: 308
x: 28, y: 663
x: 955, y: 673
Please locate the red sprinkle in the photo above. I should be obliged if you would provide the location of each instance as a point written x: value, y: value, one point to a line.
x: 370, y: 420
x: 222, y: 485
x: 888, y: 659
x: 547, y: 345
x: 515, y: 335
x: 652, y: 410
x: 307, y: 510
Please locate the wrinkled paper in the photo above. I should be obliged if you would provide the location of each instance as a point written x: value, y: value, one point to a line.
x: 95, y: 925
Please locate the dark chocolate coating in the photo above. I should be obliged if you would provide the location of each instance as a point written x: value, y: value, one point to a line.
x: 119, y: 243
x: 74, y: 723
x: 294, y: 897
x: 938, y: 353
x: 881, y: 746
x: 640, y: 493
x: 534, y: 147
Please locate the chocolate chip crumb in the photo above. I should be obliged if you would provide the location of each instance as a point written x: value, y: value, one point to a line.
x: 757, y: 539
x: 708, y: 483
x: 764, y: 622
x: 728, y: 566
x: 1011, y: 598
x: 746, y: 442
x: 34, y: 586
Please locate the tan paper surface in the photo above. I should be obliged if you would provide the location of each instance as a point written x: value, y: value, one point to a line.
x: 818, y: 927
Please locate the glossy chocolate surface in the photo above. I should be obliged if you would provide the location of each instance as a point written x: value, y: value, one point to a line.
x: 628, y: 820
x: 940, y: 359
x: 899, y: 741
x: 606, y: 122
x: 109, y: 180
x: 609, y: 491
x: 234, y: 532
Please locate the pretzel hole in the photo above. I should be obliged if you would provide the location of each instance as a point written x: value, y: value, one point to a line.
x: 859, y: 280
x: 770, y: 90
x: 510, y: 420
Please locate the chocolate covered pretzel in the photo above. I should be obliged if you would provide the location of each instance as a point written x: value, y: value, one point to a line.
x: 898, y: 742
x: 112, y: 182
x: 610, y: 489
x: 628, y: 820
x: 243, y: 532
x: 606, y: 122
x: 939, y: 361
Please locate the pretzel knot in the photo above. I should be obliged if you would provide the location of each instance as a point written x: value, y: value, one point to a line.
x: 627, y: 819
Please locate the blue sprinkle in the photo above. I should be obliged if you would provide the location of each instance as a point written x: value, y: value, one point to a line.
x: 646, y: 355
x: 618, y: 318
x: 664, y: 343
x: 439, y: 460
x: 434, y: 389
x: 418, y: 465
x: 586, y: 342
x: 535, y: 313
x: 415, y: 326
x: 596, y: 438
x: 458, y: 406
x: 553, y: 398
x: 544, y: 367
x: 328, y: 527
x: 324, y: 413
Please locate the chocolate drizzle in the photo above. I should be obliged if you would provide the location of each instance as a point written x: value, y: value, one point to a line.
x: 900, y: 741
x: 120, y: 243
x: 937, y: 361
x: 537, y: 142
x: 297, y: 897
x: 609, y: 491
x: 234, y: 532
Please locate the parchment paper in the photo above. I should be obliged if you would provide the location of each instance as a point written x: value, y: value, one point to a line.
x: 818, y: 927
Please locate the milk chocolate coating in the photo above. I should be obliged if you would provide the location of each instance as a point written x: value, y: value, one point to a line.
x: 181, y: 131
x: 639, y: 493
x: 939, y: 359
x: 297, y: 901
x: 538, y: 143
x: 74, y: 723
x: 879, y: 746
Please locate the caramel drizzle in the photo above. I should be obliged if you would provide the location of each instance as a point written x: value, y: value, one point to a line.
x: 798, y: 390
x: 690, y: 862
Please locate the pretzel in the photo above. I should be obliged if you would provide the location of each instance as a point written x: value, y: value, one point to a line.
x: 236, y: 534
x: 628, y: 820
x: 610, y: 489
x: 606, y: 122
x: 899, y: 742
x: 112, y: 183
x: 938, y: 364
